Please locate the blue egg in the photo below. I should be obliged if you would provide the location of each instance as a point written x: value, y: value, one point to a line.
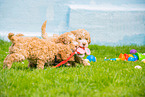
x: 135, y: 57
x: 130, y: 59
x: 91, y: 58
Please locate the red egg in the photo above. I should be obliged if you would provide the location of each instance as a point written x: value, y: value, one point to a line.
x: 126, y: 56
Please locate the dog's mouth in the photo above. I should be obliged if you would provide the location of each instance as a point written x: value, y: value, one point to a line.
x: 82, y: 47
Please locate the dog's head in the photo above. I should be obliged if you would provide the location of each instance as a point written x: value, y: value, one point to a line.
x: 82, y: 37
x: 68, y: 38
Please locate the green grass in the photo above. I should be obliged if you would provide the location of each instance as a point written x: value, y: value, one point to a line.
x: 101, y: 79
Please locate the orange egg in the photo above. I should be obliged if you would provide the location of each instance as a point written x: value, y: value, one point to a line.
x: 122, y: 57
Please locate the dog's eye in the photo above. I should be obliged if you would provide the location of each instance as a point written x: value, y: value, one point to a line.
x: 79, y: 38
x: 86, y: 38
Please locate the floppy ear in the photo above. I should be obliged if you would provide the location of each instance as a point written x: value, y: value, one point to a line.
x: 89, y: 40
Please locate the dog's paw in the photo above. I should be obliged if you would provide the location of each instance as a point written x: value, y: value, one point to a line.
x: 86, y: 62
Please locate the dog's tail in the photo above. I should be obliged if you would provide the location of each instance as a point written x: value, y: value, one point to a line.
x: 43, y: 29
x: 12, y: 37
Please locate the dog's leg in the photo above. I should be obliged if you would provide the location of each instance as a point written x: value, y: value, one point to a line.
x: 85, y: 63
x: 32, y: 65
x: 40, y: 64
x: 73, y: 64
x: 14, y: 57
x: 68, y: 64
x: 81, y: 61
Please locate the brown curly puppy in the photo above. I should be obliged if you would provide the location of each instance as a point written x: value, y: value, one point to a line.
x: 35, y: 50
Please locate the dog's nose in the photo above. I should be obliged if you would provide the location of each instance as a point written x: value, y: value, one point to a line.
x: 84, y: 44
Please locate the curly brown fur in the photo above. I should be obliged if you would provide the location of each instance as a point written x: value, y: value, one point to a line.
x: 35, y: 50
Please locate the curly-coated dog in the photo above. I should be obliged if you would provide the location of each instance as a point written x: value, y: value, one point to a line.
x: 80, y: 37
x: 35, y: 50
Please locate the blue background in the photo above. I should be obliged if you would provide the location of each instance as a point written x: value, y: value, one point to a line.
x: 110, y: 22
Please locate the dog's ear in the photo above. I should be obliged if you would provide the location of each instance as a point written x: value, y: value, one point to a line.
x: 89, y: 40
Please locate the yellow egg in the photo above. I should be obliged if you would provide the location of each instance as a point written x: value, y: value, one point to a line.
x: 130, y: 55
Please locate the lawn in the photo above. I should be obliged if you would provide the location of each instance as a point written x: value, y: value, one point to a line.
x: 101, y: 79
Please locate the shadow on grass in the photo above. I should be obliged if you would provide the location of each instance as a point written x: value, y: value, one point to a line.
x: 20, y: 66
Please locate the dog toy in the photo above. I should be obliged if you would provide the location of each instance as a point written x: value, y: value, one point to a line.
x: 112, y: 59
x: 130, y: 59
x: 133, y: 56
x: 91, y: 58
x: 138, y: 67
x: 122, y: 57
x: 82, y: 51
x: 140, y: 56
x: 133, y: 51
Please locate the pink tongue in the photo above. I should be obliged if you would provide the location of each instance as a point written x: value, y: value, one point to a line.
x: 87, y: 50
x: 80, y: 51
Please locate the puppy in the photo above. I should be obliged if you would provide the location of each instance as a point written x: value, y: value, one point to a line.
x: 83, y: 38
x: 35, y: 50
